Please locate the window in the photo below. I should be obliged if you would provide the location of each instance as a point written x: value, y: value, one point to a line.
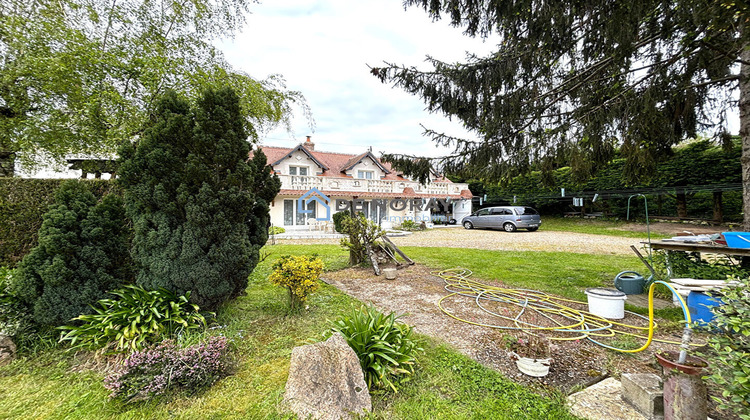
x: 483, y: 212
x: 364, y: 174
x: 298, y: 170
x: 292, y: 216
x: 528, y: 211
x: 501, y: 211
x: 289, y: 212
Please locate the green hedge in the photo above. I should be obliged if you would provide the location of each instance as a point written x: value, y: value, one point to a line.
x: 23, y: 202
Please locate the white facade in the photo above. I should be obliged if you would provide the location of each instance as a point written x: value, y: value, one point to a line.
x: 359, y: 181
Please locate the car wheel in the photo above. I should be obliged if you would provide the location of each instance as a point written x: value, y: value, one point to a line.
x: 509, y: 227
x: 452, y: 222
x: 534, y: 229
x: 468, y: 225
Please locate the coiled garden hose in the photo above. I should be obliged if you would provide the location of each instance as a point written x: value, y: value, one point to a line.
x: 565, y: 320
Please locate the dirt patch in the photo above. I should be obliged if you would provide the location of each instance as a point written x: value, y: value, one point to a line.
x: 417, y: 293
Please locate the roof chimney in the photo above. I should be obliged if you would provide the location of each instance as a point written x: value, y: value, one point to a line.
x: 309, y: 145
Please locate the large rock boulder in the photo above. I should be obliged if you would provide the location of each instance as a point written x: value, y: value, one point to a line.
x: 326, y: 381
x: 7, y: 350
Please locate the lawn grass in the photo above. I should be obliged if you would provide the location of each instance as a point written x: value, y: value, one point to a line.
x: 595, y: 227
x: 561, y: 273
x: 448, y: 385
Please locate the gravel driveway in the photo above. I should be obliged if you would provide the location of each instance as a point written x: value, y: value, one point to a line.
x: 458, y: 237
x: 580, y: 243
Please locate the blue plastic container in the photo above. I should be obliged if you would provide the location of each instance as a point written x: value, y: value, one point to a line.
x: 737, y: 239
x: 700, y: 305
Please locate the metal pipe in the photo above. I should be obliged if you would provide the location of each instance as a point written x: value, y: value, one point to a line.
x: 648, y: 226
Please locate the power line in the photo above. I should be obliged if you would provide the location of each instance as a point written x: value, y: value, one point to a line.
x: 624, y: 193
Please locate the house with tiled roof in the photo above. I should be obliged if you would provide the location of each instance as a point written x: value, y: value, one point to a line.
x: 361, y: 182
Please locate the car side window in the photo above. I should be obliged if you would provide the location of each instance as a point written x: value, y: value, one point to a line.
x: 497, y: 211
x: 507, y: 211
x: 483, y: 212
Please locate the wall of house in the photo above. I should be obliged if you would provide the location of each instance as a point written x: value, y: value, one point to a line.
x: 391, y: 218
x: 367, y: 164
x: 298, y: 158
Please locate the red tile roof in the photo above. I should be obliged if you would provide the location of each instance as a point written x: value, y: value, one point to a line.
x: 368, y: 194
x: 336, y: 162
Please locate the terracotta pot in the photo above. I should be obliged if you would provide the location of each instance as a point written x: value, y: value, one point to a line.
x: 692, y: 366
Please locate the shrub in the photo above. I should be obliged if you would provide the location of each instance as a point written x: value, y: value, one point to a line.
x: 166, y: 368
x: 299, y: 274
x: 23, y: 202
x: 338, y: 220
x: 275, y: 230
x: 135, y: 319
x: 731, y: 350
x: 13, y: 317
x: 689, y: 265
x: 412, y: 226
x: 199, y: 206
x: 363, y: 234
x: 387, y: 350
x: 82, y: 253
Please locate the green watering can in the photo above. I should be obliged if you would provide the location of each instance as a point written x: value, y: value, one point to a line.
x: 630, y: 283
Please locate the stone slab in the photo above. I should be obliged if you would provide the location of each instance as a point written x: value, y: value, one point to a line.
x: 603, y: 401
x: 644, y: 392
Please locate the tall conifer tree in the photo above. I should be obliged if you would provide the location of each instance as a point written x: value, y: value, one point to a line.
x: 572, y: 81
x: 199, y: 206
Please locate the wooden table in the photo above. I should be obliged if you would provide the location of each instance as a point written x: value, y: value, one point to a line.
x: 695, y: 247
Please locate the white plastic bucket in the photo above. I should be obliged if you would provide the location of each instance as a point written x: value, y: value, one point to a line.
x: 606, y: 303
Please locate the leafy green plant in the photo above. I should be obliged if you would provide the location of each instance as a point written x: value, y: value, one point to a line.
x: 338, y: 220
x: 690, y: 265
x: 13, y: 318
x: 136, y: 318
x: 411, y: 226
x: 363, y: 234
x: 730, y: 347
x: 387, y: 350
x: 275, y: 230
x: 299, y: 274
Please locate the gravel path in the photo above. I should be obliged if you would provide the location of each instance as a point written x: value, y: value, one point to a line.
x: 580, y: 243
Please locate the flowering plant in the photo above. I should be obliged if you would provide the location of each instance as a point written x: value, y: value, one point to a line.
x: 299, y: 274
x: 532, y: 347
x: 166, y: 367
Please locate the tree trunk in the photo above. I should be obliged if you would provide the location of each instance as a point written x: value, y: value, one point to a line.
x: 681, y: 198
x: 718, y: 207
x: 745, y: 132
x: 7, y: 163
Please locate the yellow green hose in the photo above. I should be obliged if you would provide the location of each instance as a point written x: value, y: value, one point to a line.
x: 583, y: 324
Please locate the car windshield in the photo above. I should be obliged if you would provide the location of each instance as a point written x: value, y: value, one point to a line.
x: 527, y: 211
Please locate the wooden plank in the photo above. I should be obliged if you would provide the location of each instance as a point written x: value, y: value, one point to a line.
x: 401, y: 253
x: 709, y: 249
x: 701, y: 282
x: 680, y: 287
x: 373, y: 258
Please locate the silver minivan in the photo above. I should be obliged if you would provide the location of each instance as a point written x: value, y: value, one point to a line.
x: 508, y: 218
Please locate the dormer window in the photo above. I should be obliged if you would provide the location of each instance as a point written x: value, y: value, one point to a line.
x: 298, y: 170
x: 365, y: 174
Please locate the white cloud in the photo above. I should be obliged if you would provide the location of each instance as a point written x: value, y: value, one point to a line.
x: 323, y: 49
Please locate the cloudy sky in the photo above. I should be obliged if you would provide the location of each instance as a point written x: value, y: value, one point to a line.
x: 323, y: 49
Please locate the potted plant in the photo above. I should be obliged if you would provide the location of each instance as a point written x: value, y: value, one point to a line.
x: 532, y: 355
